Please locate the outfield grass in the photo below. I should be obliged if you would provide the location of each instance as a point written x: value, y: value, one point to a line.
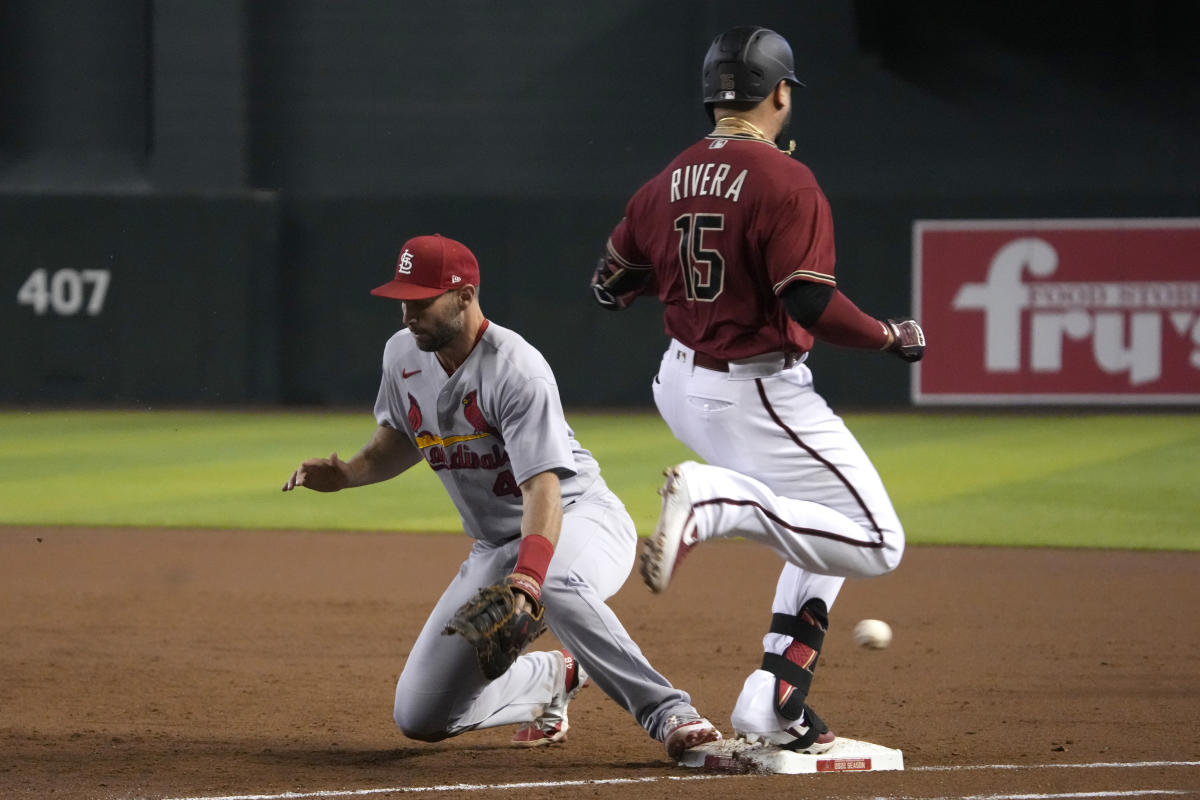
x: 1088, y: 480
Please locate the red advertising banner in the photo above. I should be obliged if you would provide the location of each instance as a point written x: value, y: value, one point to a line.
x: 1058, y: 311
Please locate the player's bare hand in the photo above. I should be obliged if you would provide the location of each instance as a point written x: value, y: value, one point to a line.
x: 521, y: 602
x: 320, y: 474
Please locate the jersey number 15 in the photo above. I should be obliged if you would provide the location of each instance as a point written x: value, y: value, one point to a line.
x: 703, y: 269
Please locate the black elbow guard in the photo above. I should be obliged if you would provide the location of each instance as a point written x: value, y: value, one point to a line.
x: 805, y: 301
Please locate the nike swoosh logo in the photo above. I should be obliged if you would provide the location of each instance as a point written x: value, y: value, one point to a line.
x: 406, y: 374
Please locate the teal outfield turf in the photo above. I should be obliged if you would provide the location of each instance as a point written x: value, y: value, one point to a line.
x: 1038, y: 479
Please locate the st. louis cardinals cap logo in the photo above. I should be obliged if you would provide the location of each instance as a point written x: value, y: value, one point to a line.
x: 405, y: 265
x: 429, y: 266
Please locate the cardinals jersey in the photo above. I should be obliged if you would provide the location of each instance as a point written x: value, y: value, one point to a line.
x: 726, y: 227
x: 493, y: 424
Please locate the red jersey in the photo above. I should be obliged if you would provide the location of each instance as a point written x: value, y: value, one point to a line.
x: 729, y: 224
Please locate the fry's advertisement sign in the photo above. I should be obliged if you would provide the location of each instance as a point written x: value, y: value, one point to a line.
x: 1058, y: 311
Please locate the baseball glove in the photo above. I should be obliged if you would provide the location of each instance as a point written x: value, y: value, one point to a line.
x: 498, y: 631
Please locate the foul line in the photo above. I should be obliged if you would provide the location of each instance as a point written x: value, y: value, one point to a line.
x: 481, y: 787
x: 1093, y: 765
x: 452, y: 787
x: 1058, y: 796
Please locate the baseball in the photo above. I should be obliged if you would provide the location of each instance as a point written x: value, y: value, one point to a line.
x: 873, y: 634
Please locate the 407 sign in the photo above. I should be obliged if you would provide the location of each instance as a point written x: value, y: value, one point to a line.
x: 1058, y: 311
x: 65, y: 292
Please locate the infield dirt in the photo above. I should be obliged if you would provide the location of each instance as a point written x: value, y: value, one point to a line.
x: 153, y: 663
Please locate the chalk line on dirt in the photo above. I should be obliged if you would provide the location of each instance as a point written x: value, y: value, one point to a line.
x: 484, y: 787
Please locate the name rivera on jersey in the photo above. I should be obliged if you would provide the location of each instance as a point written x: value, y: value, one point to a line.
x: 705, y: 180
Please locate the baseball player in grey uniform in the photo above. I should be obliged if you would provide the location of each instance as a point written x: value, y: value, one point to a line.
x: 736, y: 239
x: 480, y: 405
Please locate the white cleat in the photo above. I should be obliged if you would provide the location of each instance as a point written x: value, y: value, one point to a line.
x: 684, y: 734
x: 675, y: 533
x: 551, y: 726
x: 787, y: 740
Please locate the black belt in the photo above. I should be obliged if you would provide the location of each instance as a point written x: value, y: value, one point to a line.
x: 706, y: 361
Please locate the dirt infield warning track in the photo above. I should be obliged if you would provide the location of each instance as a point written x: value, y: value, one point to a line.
x: 185, y: 664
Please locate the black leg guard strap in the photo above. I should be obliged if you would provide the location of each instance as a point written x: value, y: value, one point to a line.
x: 793, y: 679
x: 816, y: 726
x: 799, y: 629
x: 794, y: 674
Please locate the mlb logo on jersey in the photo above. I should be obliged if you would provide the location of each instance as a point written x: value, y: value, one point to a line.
x: 1059, y: 311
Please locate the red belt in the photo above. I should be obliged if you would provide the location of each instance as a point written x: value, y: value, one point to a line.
x: 721, y: 365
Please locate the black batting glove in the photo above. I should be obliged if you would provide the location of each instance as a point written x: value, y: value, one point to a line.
x: 905, y: 339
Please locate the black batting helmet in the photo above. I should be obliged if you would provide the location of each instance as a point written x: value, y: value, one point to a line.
x: 744, y: 64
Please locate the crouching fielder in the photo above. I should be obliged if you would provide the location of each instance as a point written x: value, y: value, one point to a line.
x: 480, y: 405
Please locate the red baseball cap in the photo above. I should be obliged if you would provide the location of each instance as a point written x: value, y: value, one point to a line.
x: 429, y: 266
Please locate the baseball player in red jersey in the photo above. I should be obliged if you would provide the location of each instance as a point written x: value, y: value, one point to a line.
x: 736, y: 239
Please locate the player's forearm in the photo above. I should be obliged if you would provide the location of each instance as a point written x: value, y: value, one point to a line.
x: 385, y: 456
x: 541, y: 520
x: 542, y: 506
x: 844, y: 324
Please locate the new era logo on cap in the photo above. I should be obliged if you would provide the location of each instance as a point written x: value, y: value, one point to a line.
x: 429, y: 266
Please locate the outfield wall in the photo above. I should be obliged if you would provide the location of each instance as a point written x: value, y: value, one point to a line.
x: 145, y: 300
x: 239, y: 177
x: 140, y: 300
